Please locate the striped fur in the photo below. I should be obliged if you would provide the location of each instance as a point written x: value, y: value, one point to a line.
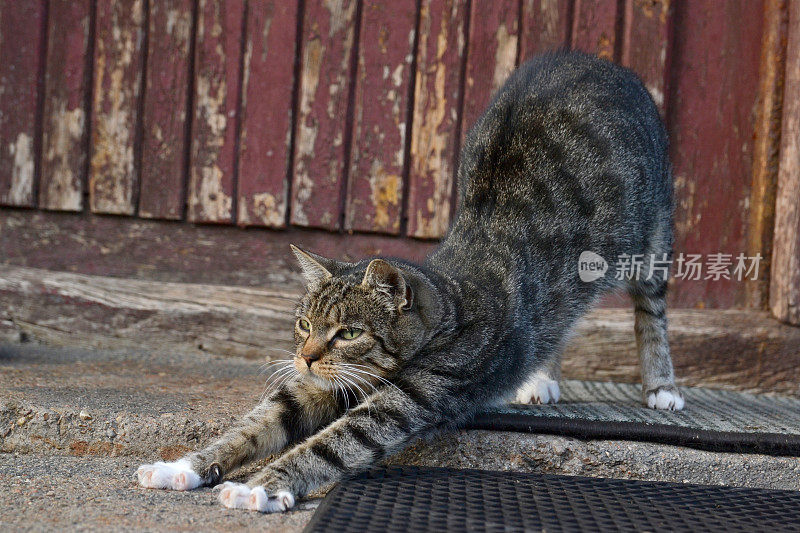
x: 570, y: 156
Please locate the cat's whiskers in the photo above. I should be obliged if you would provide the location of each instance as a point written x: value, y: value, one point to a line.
x: 344, y: 390
x: 289, y: 377
x: 360, y: 379
x: 354, y: 383
x: 277, y: 377
x: 279, y: 350
x: 265, y: 367
x: 360, y: 368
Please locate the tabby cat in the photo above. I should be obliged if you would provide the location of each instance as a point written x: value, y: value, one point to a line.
x: 570, y: 156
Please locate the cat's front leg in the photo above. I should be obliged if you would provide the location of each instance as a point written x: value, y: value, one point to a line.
x: 358, y: 440
x: 285, y: 417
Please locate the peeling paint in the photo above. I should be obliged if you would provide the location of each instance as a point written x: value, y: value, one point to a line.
x: 267, y: 209
x: 116, y: 95
x: 307, y: 134
x: 504, y: 57
x: 339, y: 15
x: 210, y: 195
x: 657, y: 94
x: 685, y: 218
x: 550, y: 16
x: 63, y: 135
x: 397, y: 75
x: 385, y: 194
x: 211, y: 105
x: 431, y: 140
x: 179, y: 25
x: 21, y: 151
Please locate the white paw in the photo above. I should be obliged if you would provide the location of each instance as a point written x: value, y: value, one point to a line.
x: 240, y: 496
x: 665, y: 399
x: 176, y: 476
x: 539, y: 389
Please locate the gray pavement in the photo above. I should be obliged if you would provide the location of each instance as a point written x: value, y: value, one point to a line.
x: 46, y: 493
x: 75, y: 424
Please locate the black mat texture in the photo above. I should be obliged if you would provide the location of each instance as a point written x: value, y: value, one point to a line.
x: 437, y: 499
x: 715, y: 420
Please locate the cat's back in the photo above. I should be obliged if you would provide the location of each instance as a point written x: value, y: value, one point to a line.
x: 567, y: 136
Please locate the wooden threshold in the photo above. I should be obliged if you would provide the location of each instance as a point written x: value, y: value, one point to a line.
x: 739, y: 349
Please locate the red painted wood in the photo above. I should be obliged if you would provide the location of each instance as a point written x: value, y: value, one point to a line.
x: 266, y: 112
x: 375, y: 187
x: 216, y: 96
x: 319, y: 164
x: 64, y: 113
x: 545, y: 26
x: 491, y: 57
x: 594, y: 27
x: 21, y: 56
x: 433, y: 134
x: 646, y: 43
x: 164, y: 139
x: 713, y: 93
x: 118, y: 62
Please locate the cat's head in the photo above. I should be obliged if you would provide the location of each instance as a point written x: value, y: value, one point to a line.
x: 358, y: 322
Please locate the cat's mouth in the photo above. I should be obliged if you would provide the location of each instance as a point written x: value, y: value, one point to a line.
x: 339, y: 377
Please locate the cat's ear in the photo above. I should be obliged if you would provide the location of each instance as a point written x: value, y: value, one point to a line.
x: 315, y: 267
x: 387, y: 279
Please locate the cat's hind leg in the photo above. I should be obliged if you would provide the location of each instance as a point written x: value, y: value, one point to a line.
x: 541, y: 387
x: 650, y: 325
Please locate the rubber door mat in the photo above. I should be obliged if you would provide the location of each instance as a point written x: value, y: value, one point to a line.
x: 434, y: 499
x: 715, y: 420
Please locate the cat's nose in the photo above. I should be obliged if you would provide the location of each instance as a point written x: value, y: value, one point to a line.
x: 310, y: 358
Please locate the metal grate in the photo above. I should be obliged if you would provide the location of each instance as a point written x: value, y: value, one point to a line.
x: 417, y: 499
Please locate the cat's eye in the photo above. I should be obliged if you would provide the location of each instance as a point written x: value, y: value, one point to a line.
x: 304, y: 324
x: 350, y: 334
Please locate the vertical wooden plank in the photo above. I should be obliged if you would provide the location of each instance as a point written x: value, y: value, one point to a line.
x: 327, y: 44
x: 646, y: 44
x: 545, y: 26
x: 164, y: 135
x: 766, y: 146
x: 266, y: 119
x: 118, y: 60
x: 21, y: 57
x: 64, y: 114
x: 375, y: 186
x: 491, y: 56
x: 713, y: 92
x: 217, y: 61
x: 784, y: 290
x: 594, y: 27
x: 433, y: 134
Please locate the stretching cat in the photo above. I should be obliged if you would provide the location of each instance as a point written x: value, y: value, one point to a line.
x: 570, y: 156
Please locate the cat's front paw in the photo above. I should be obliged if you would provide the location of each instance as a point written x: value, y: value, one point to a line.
x: 668, y: 397
x: 240, y: 496
x: 539, y: 389
x: 177, y: 475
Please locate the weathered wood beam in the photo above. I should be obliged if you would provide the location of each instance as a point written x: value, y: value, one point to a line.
x: 437, y: 87
x: 732, y: 348
x: 784, y: 297
x: 22, y: 40
x: 64, y: 116
x: 766, y: 147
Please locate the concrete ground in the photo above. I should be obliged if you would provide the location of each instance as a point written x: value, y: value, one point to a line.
x: 75, y: 424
